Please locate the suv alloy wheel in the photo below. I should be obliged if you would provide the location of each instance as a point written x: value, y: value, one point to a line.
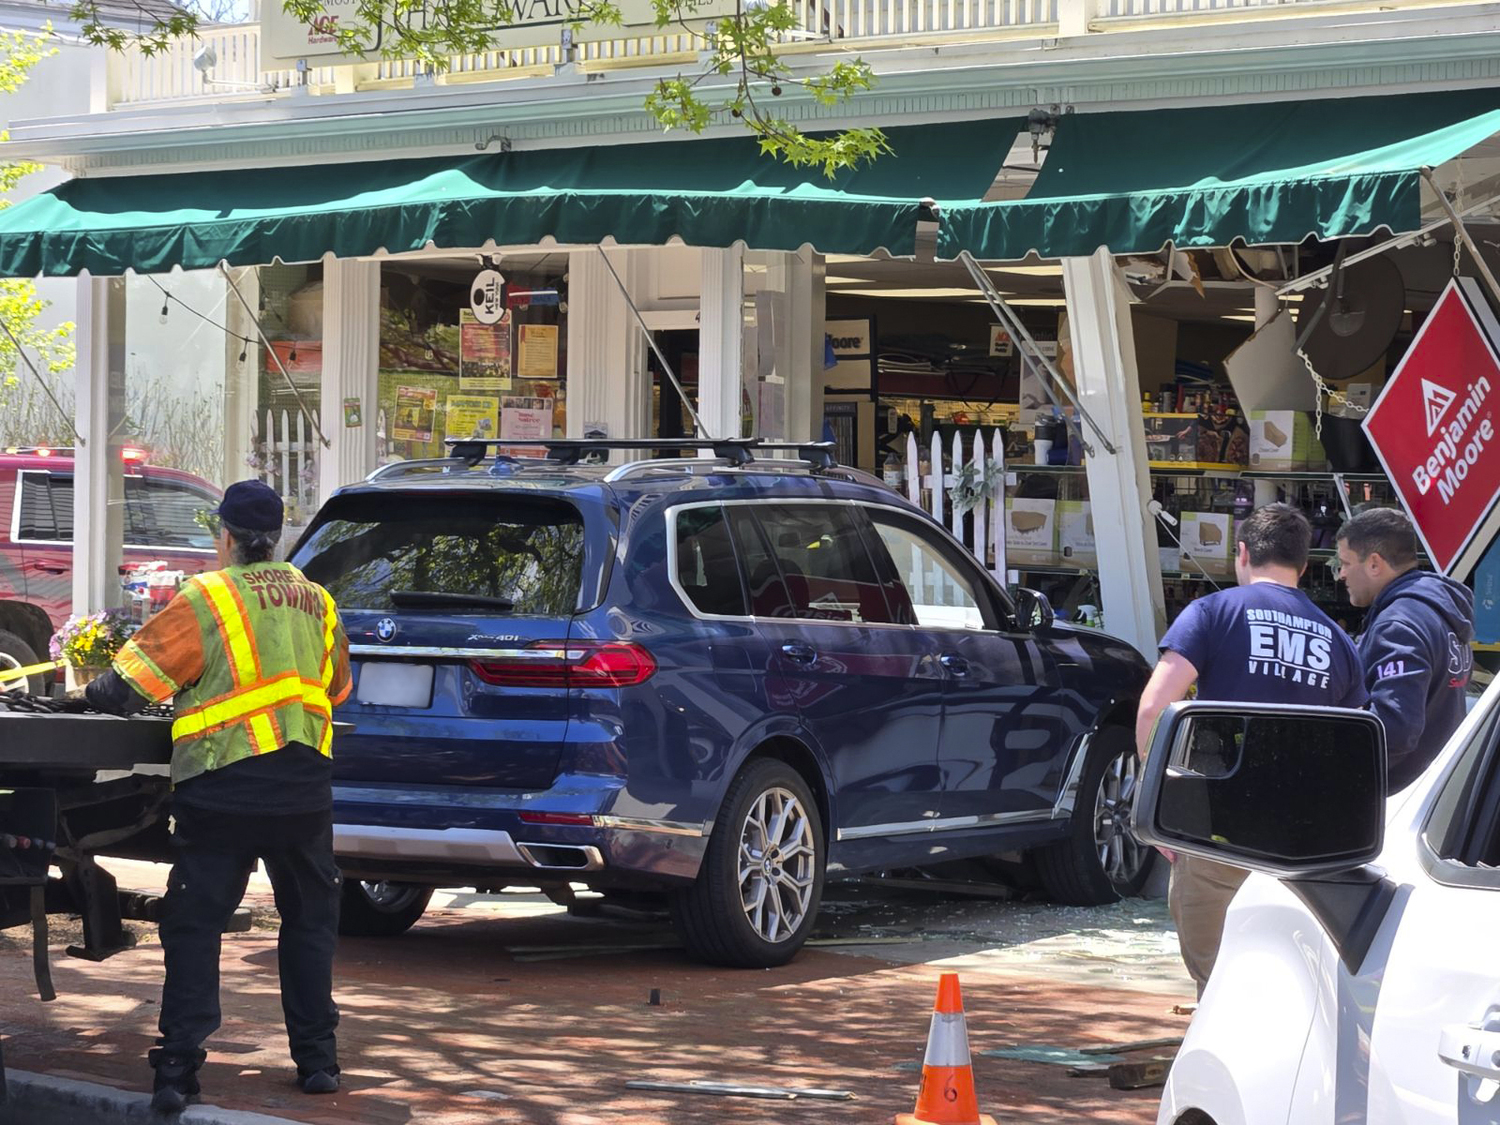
x: 758, y: 890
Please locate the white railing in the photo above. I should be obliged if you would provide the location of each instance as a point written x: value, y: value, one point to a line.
x: 982, y: 528
x: 171, y: 75
x: 878, y: 19
x: 286, y: 458
x: 1129, y: 9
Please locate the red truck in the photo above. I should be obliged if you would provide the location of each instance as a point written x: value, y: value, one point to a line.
x: 36, y: 541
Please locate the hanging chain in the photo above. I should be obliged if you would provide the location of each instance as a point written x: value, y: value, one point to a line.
x: 1336, y: 397
x: 1458, y: 256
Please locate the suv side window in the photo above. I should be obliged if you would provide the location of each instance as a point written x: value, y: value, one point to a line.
x: 157, y: 513
x: 1462, y: 835
x: 768, y: 593
x: 707, y: 571
x: 46, y: 504
x: 164, y: 514
x: 926, y: 587
x: 828, y: 572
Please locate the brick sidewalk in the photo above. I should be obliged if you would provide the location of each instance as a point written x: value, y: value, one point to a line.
x: 442, y: 1026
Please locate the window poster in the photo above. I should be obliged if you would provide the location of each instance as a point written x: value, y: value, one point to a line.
x: 525, y: 419
x: 483, y: 353
x: 536, y: 351
x: 416, y: 408
x: 473, y: 416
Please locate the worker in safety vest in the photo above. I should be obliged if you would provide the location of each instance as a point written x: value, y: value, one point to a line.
x: 255, y: 658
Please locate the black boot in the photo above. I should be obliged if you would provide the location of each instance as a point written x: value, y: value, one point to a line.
x: 176, y: 1084
x: 324, y: 1081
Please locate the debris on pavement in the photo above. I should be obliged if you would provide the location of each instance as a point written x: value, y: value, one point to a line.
x: 734, y: 1090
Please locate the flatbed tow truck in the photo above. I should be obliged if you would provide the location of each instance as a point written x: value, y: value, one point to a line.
x: 76, y: 784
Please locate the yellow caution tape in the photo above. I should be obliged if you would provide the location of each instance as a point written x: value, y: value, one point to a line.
x: 30, y: 670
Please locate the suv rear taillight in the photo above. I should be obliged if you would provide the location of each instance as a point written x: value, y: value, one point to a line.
x: 565, y: 664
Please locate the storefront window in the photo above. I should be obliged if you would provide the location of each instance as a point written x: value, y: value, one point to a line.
x: 445, y: 374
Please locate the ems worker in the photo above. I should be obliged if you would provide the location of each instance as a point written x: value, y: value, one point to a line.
x: 1263, y: 641
x: 255, y: 658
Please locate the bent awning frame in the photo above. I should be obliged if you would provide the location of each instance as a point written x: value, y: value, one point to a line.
x: 1136, y: 181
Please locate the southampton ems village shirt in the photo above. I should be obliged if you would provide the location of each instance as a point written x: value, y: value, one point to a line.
x: 1267, y: 643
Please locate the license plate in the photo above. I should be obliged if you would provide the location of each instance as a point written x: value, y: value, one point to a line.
x: 395, y: 685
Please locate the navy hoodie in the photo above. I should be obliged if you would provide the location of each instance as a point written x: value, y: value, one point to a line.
x: 1417, y: 659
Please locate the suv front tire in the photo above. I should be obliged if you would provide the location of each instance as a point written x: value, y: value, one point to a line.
x: 1101, y: 861
x: 758, y: 891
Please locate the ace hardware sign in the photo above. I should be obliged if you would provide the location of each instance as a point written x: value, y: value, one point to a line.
x: 1434, y: 428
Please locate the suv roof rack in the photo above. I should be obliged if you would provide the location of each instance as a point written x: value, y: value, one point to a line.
x: 736, y: 452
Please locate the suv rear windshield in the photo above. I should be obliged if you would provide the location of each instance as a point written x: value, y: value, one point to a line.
x: 523, y: 550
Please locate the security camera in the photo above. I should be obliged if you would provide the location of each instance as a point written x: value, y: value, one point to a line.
x: 205, y: 60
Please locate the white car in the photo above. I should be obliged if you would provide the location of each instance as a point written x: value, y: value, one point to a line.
x: 1359, y: 976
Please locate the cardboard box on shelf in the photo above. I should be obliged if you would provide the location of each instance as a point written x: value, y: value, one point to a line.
x: 1196, y: 440
x: 1207, y: 540
x: 1031, y: 531
x: 1075, y: 533
x: 1281, y: 441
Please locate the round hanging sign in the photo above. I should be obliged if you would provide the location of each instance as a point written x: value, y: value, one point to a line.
x: 486, y: 297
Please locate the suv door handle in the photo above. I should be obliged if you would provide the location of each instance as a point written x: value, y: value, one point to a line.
x: 954, y: 663
x: 1472, y: 1050
x: 799, y: 654
x: 51, y: 568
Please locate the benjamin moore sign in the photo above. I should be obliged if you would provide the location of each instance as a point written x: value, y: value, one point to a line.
x: 533, y: 23
x: 1435, y: 430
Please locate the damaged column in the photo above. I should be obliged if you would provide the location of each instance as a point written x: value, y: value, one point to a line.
x: 1119, y: 483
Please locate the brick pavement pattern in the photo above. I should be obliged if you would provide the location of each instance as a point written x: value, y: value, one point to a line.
x: 441, y: 1026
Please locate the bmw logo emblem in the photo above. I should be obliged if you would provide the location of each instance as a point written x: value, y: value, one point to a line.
x: 385, y: 628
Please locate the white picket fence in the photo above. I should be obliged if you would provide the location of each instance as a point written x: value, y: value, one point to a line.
x: 982, y: 528
x: 287, y: 448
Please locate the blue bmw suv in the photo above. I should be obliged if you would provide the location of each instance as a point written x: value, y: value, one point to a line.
x: 722, y: 679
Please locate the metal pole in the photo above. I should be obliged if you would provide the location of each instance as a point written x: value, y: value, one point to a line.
x: 270, y: 351
x: 1463, y: 235
x: 666, y: 367
x: 1007, y: 316
x: 46, y: 390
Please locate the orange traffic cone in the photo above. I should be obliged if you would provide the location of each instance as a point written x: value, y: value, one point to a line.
x: 946, y: 1096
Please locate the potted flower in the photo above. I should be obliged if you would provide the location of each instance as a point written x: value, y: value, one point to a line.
x: 89, y: 644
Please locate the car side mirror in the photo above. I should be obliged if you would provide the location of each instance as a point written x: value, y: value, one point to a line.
x: 1289, y: 791
x: 1033, y: 610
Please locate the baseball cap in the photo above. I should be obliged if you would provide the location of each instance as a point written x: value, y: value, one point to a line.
x: 252, y: 506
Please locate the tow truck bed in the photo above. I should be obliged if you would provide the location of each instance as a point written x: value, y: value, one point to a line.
x: 78, y: 744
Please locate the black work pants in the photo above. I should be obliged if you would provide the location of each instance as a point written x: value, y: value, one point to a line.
x: 215, y: 855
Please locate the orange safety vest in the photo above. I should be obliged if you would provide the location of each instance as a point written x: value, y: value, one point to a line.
x: 272, y: 662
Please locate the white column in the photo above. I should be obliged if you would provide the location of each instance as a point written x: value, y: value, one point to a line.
x: 800, y: 349
x: 98, y: 469
x: 351, y: 365
x: 1119, y: 483
x: 607, y: 380
x: 721, y: 341
x: 240, y: 378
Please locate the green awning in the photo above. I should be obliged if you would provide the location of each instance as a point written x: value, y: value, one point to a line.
x: 706, y: 192
x: 1275, y: 172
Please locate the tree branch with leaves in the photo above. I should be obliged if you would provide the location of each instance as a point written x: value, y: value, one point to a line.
x: 50, y: 349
